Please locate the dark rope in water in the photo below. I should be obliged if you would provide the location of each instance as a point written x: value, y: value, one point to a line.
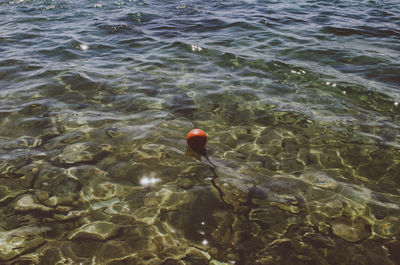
x: 229, y: 207
x: 213, y: 167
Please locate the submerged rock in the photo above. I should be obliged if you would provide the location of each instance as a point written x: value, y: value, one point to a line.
x: 7, y: 194
x: 56, y: 186
x: 350, y: 231
x: 11, y: 162
x: 320, y: 180
x: 99, y: 231
x: 83, y: 152
x: 68, y: 215
x: 18, y: 241
x: 318, y: 240
x: 28, y: 203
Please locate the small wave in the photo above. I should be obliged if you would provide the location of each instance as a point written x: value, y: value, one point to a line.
x: 119, y: 28
x: 362, y: 30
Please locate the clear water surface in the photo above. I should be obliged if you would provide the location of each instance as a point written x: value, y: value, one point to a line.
x: 300, y: 101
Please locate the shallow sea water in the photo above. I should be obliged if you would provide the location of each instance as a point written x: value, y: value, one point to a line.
x: 299, y: 99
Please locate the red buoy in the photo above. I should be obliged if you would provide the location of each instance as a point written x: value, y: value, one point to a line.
x: 197, y: 139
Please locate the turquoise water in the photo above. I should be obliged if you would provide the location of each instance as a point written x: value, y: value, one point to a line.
x: 299, y: 99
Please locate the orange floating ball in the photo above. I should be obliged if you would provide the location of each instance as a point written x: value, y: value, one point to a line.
x: 196, y: 139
